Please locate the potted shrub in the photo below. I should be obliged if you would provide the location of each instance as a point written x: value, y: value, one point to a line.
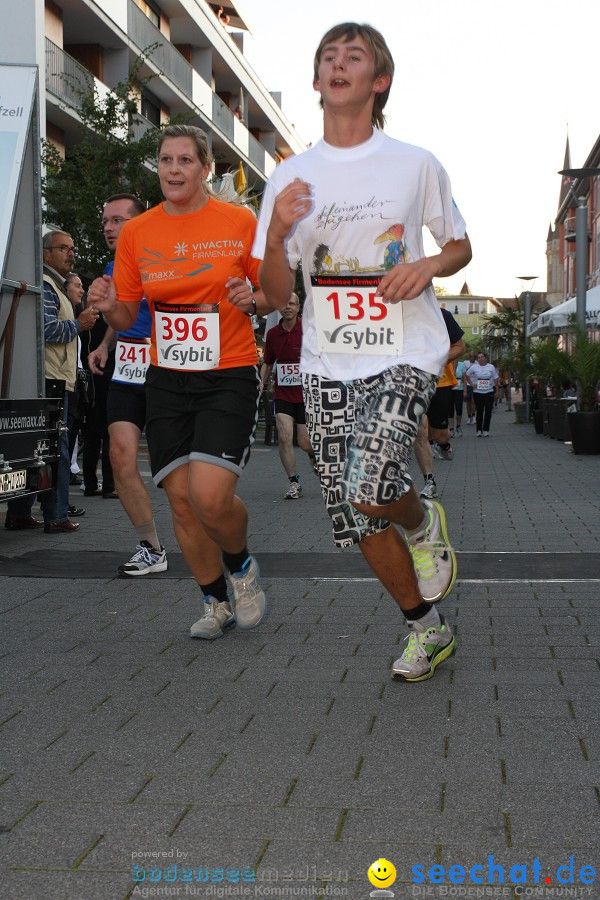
x: 552, y: 366
x: 585, y: 372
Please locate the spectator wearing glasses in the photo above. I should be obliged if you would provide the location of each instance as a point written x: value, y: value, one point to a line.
x: 61, y: 329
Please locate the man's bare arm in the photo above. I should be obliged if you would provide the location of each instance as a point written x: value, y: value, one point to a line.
x: 407, y: 280
x: 97, y: 359
x: 275, y: 275
x: 102, y: 295
x: 456, y: 350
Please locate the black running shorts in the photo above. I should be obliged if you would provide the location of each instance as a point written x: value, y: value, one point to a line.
x: 295, y: 410
x: 126, y: 403
x: 438, y: 408
x: 200, y: 416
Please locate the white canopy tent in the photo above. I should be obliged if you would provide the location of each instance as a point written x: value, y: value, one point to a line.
x: 557, y: 319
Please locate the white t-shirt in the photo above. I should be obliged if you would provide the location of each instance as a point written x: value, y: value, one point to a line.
x: 370, y: 205
x: 483, y: 378
x: 461, y: 368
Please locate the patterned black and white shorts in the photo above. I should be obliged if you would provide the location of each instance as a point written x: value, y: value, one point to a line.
x: 362, y: 433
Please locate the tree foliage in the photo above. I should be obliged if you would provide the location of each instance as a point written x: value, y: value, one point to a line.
x: 504, y: 336
x: 584, y: 369
x: 114, y: 155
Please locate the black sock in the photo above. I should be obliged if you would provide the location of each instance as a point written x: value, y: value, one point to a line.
x: 445, y: 446
x: 216, y: 589
x: 413, y: 615
x: 294, y: 478
x: 235, y: 561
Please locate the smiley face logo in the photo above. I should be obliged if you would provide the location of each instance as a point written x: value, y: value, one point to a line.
x: 381, y: 873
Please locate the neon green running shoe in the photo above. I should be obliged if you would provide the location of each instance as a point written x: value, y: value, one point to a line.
x: 433, y: 557
x: 424, y: 651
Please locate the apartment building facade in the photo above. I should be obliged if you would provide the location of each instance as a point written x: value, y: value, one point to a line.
x: 190, y: 50
x: 561, y: 245
x: 470, y: 312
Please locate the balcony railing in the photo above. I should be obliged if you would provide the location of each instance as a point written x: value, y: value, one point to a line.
x: 169, y: 60
x: 256, y: 152
x: 139, y: 125
x: 570, y: 225
x: 222, y: 116
x: 65, y: 77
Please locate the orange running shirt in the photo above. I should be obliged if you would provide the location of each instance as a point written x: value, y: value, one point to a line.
x: 448, y: 377
x: 186, y: 260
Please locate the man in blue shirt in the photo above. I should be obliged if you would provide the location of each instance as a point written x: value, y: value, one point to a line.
x: 126, y: 406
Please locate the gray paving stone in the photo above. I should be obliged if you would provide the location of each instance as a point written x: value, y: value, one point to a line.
x: 264, y: 823
x: 34, y: 849
x: 484, y: 829
x: 140, y: 818
x: 56, y: 885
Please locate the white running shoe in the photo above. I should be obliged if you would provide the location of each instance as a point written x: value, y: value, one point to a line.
x: 447, y: 452
x: 426, y: 648
x: 146, y: 559
x: 479, y: 434
x: 294, y: 492
x: 429, y: 489
x: 485, y: 434
x: 249, y: 601
x: 217, y: 616
x: 433, y: 557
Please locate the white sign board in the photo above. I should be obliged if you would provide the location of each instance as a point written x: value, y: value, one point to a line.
x: 17, y: 91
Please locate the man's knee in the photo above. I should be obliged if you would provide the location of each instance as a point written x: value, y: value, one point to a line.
x: 123, y: 454
x: 285, y: 430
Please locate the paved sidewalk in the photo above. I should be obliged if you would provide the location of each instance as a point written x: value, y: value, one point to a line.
x: 288, y: 749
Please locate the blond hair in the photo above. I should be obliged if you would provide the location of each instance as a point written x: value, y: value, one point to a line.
x: 379, y: 50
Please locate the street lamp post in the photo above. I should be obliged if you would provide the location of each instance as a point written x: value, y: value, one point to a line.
x: 581, y: 240
x: 527, y: 321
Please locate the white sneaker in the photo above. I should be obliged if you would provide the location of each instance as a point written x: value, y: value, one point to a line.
x: 435, y: 451
x: 479, y: 434
x: 146, y: 559
x: 447, y: 452
x: 485, y: 434
x: 217, y: 616
x: 294, y: 491
x: 249, y: 601
x: 429, y: 489
x: 426, y: 648
x: 433, y: 557
x: 459, y: 432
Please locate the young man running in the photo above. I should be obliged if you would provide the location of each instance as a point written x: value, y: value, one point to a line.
x: 126, y: 404
x: 282, y: 347
x: 374, y: 341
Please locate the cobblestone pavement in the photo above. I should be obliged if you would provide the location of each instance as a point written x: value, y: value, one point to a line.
x: 288, y: 750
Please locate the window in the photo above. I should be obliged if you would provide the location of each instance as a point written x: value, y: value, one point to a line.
x: 150, y: 109
x: 151, y: 10
x: 475, y: 329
